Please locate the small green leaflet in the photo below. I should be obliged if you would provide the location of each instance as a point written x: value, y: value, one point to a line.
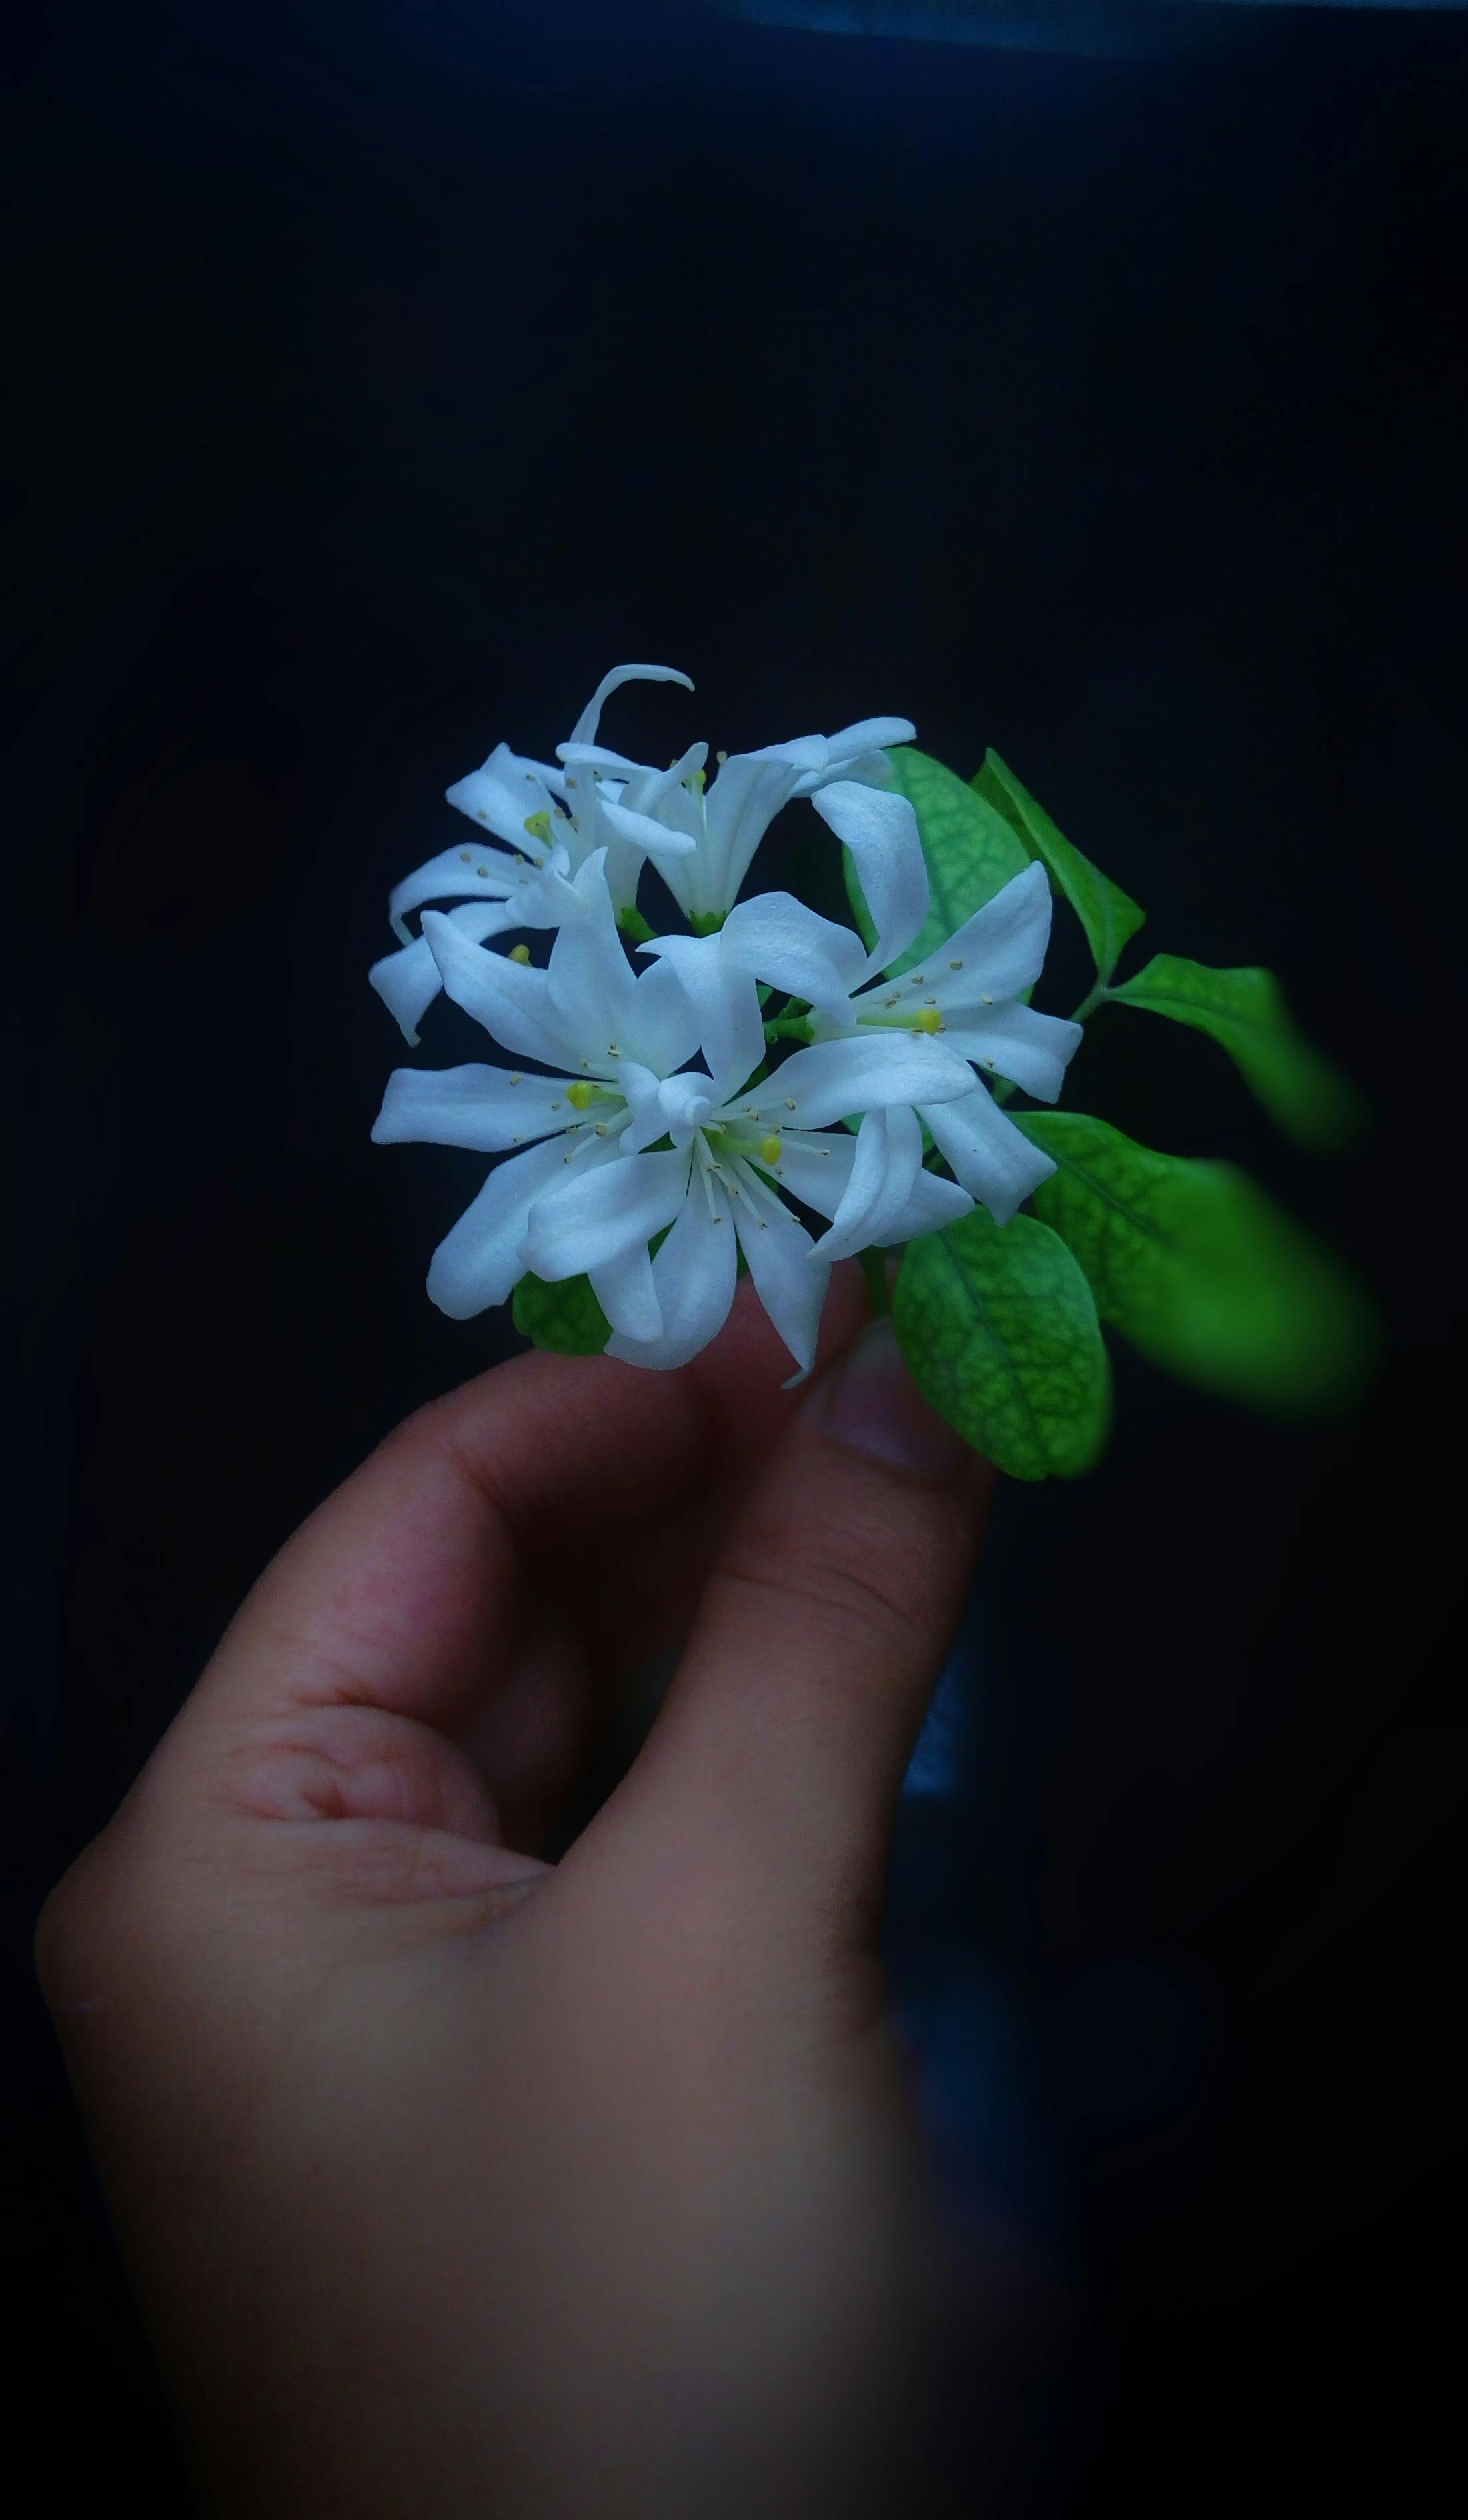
x: 970, y: 850
x: 1200, y: 1271
x: 565, y: 1317
x: 1109, y: 916
x: 999, y: 1332
x: 1245, y: 1012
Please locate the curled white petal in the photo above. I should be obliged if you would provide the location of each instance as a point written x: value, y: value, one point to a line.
x: 996, y: 1162
x: 880, y: 830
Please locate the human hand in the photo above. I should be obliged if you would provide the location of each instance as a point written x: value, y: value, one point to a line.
x: 455, y: 2183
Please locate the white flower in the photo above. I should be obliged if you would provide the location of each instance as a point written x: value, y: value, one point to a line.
x: 594, y: 1183
x: 724, y: 825
x: 968, y: 991
x: 553, y: 819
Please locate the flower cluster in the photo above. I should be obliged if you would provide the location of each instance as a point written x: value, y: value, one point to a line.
x: 663, y: 1121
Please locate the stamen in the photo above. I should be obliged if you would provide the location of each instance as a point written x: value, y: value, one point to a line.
x: 790, y: 1103
x: 985, y: 1000
x: 721, y: 758
x: 517, y: 1078
x: 467, y: 855
x: 481, y: 869
x: 957, y: 967
x: 913, y: 1020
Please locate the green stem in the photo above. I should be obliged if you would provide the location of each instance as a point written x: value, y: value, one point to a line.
x: 875, y: 1271
x: 789, y: 1028
x: 632, y: 923
x: 1088, y: 1005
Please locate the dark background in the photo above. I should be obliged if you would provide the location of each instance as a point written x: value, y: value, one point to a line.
x: 386, y: 373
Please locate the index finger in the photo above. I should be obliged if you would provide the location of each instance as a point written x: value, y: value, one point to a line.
x: 407, y: 1586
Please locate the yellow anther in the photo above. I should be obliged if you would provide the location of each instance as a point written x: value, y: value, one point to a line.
x: 721, y: 758
x: 520, y: 953
x: 538, y: 826
x: 467, y: 855
x: 957, y: 967
x: 927, y: 1019
x: 481, y: 869
x: 696, y: 779
x: 581, y: 1095
x: 769, y: 1151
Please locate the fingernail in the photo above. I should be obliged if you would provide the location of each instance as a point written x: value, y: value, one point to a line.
x: 874, y: 1407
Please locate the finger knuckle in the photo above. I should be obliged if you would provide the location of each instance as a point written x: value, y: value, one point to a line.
x: 839, y: 1582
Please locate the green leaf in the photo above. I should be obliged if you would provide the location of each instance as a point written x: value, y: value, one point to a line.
x: 999, y: 1332
x: 1201, y: 1270
x: 1109, y: 916
x: 1245, y: 1012
x: 971, y: 852
x: 565, y: 1316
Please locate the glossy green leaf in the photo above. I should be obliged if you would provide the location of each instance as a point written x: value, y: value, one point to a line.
x: 971, y: 851
x: 1109, y: 916
x: 1244, y: 1011
x: 1194, y: 1264
x: 999, y: 1327
x: 565, y: 1316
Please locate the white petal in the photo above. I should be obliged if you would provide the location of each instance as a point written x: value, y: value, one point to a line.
x: 992, y: 1158
x: 835, y: 1079
x: 488, y: 875
x: 592, y: 1216
x: 1002, y: 948
x: 488, y: 1108
x: 666, y: 796
x: 776, y: 938
x: 815, y: 1167
x: 860, y: 752
x: 409, y: 981
x: 723, y: 1002
x: 694, y: 1274
x: 585, y: 729
x: 482, y: 1257
x: 739, y: 809
x: 935, y: 1202
x: 505, y: 791
x: 656, y: 839
x: 790, y: 1281
x: 880, y: 830
x: 510, y: 998
x: 663, y: 1024
x: 590, y: 975
x: 623, y: 1288
x: 889, y: 1157
x: 1032, y: 1049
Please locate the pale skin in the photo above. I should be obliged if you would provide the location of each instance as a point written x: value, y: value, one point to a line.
x: 452, y: 2181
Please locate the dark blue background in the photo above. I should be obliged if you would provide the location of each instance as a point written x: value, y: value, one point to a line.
x: 384, y: 373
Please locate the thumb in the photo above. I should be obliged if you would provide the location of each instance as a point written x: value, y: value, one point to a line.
x: 822, y: 1628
